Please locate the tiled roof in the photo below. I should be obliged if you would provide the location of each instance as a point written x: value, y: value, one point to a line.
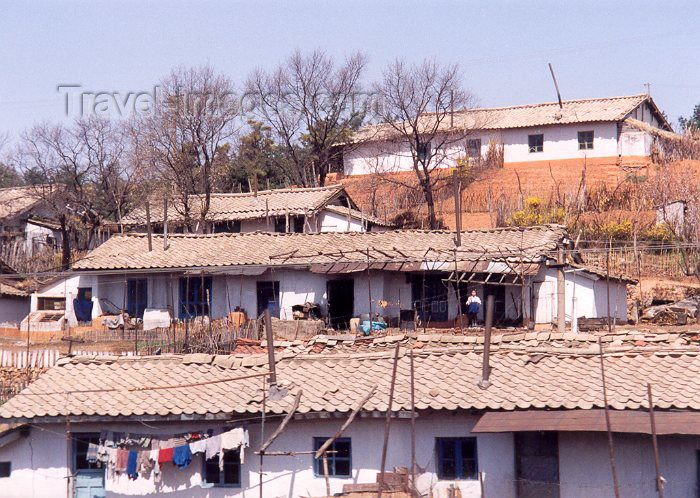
x: 244, y: 206
x: 573, y: 111
x: 8, y: 288
x: 130, y: 251
x: 17, y: 200
x: 445, y: 379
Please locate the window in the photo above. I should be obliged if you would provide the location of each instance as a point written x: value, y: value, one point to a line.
x: 456, y: 458
x: 585, y: 140
x: 193, y: 296
x: 81, y: 442
x: 535, y: 143
x: 423, y: 151
x: 136, y: 296
x: 230, y: 476
x: 474, y: 148
x: 5, y: 469
x: 338, y: 456
x: 228, y: 227
x: 280, y: 224
x: 299, y: 224
x: 52, y: 303
x: 268, y: 297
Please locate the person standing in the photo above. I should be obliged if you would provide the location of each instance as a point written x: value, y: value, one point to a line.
x: 473, y: 308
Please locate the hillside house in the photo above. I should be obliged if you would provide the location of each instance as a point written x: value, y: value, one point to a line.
x: 534, y: 427
x: 406, y: 270
x: 26, y: 220
x: 299, y: 210
x: 614, y: 130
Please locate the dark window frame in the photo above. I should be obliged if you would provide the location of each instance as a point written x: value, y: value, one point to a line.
x: 535, y: 143
x: 423, y: 151
x: 80, y: 442
x: 275, y: 284
x: 583, y: 142
x: 136, y: 296
x: 474, y: 148
x: 5, y: 469
x: 197, y: 304
x: 232, y: 459
x: 333, y: 458
x: 458, y: 457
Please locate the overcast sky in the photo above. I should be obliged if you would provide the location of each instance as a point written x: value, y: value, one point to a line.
x: 597, y: 48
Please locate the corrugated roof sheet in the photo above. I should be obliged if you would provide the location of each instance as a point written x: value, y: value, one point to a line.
x: 205, y: 385
x: 130, y: 251
x: 243, y: 206
x: 525, y: 116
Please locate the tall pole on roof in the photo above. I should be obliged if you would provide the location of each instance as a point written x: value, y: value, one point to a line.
x: 148, y: 226
x: 458, y: 207
x: 165, y: 222
x: 655, y: 445
x: 556, y: 85
x: 387, y: 424
x: 611, y: 449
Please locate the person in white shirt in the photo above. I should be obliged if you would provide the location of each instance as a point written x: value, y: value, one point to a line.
x: 473, y: 308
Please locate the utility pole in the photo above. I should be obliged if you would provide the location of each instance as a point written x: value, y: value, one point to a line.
x: 561, y: 290
x: 458, y: 207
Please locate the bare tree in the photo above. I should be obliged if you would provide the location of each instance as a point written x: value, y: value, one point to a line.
x: 182, y: 142
x: 309, y: 102
x: 417, y: 121
x: 80, y: 174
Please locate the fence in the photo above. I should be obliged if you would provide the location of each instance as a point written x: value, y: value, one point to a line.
x: 665, y: 262
x: 218, y: 336
x: 44, y: 358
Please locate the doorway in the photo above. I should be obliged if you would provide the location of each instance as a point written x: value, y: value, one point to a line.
x: 499, y: 301
x: 89, y: 478
x: 537, y: 464
x: 341, y: 303
x: 136, y: 296
x: 268, y: 297
x: 429, y: 297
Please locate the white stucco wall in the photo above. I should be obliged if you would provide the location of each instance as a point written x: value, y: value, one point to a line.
x: 13, y: 310
x: 584, y: 466
x: 591, y: 296
x: 560, y: 142
x: 334, y: 222
x: 67, y: 288
x: 39, y: 462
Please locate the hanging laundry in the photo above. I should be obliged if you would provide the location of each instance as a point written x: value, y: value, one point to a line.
x: 235, y: 439
x: 182, y: 456
x: 145, y: 464
x: 153, y: 457
x: 213, y: 446
x: 198, y: 446
x: 91, y: 455
x: 122, y: 458
x: 131, y: 467
x: 165, y: 455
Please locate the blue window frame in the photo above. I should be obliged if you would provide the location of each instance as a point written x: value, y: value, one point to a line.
x: 339, y: 457
x: 456, y: 458
x: 193, y: 296
x: 229, y: 477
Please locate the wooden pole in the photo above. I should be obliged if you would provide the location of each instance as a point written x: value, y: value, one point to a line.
x: 148, y: 226
x: 284, y: 423
x: 655, y: 445
x: 270, y: 347
x: 611, y: 449
x: 458, y: 208
x: 324, y: 447
x: 262, y: 435
x: 387, y: 425
x: 607, y: 273
x: 165, y: 223
x: 413, y: 423
x: 486, y: 365
x: 369, y: 293
x: 459, y: 296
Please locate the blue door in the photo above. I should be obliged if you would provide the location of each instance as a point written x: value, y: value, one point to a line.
x: 89, y: 478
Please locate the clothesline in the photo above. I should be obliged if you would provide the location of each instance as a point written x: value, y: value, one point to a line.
x: 143, y: 455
